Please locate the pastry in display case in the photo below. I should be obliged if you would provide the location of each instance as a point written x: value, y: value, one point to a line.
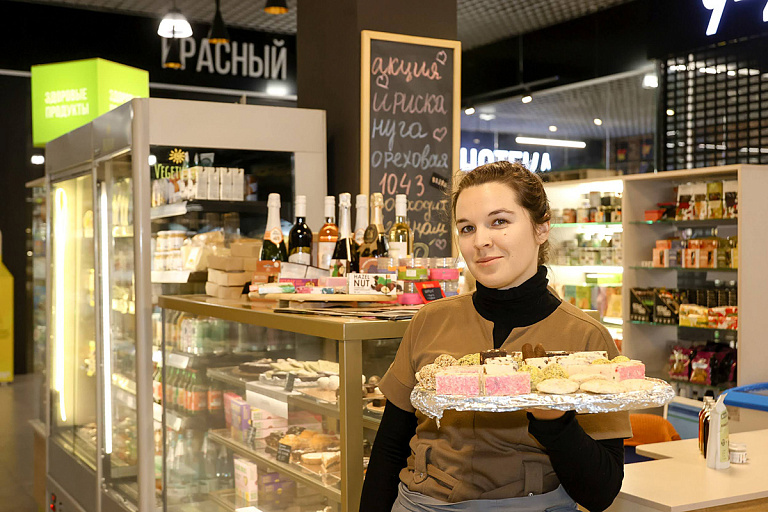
x: 298, y: 410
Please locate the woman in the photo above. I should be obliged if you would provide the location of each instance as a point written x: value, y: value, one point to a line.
x: 539, y: 460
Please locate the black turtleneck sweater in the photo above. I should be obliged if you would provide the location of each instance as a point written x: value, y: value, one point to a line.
x: 590, y: 471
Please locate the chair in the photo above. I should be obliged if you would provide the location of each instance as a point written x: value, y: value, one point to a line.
x: 646, y: 429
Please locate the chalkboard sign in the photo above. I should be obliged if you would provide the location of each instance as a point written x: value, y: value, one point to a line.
x: 283, y: 453
x: 410, y: 103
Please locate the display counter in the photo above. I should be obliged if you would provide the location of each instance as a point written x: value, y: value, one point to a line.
x: 680, y: 480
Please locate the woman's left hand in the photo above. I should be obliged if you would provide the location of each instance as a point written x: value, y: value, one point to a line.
x: 545, y: 414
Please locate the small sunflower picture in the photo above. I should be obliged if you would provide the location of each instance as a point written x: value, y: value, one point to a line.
x: 176, y: 156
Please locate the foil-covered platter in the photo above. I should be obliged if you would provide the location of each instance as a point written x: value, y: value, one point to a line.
x: 434, y: 405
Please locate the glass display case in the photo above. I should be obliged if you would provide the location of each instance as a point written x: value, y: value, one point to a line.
x: 266, y: 409
x: 106, y: 435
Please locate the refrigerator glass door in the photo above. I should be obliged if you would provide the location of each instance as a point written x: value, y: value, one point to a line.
x: 73, y: 321
x: 118, y: 336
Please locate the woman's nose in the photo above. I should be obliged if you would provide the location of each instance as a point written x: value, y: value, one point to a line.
x: 482, y: 238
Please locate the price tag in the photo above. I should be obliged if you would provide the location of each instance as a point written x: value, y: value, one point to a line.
x: 430, y: 290
x: 283, y: 453
x: 178, y: 361
x: 289, y: 380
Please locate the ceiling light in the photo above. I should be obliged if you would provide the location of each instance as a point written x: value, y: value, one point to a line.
x: 174, y: 24
x: 276, y: 7
x: 552, y: 128
x: 469, y: 111
x: 670, y: 112
x: 650, y: 81
x: 218, y: 33
x: 597, y: 121
x: 487, y: 117
x: 173, y: 58
x: 37, y: 159
x: 560, y: 143
x: 526, y: 99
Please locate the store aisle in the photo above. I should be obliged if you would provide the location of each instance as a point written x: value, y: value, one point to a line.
x: 18, y: 405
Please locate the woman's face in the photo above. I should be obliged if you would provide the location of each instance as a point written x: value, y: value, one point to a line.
x: 496, y: 236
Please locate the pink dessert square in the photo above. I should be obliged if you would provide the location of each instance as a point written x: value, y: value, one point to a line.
x: 629, y: 370
x: 518, y: 383
x: 464, y: 384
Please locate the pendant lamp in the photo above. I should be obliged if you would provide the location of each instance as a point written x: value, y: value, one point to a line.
x: 174, y: 24
x: 276, y: 7
x: 173, y: 59
x: 218, y: 33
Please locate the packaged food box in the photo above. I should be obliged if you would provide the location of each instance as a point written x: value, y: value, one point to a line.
x: 730, y: 199
x: 241, y: 413
x: 700, y: 200
x: 229, y: 278
x: 269, y: 478
x: 250, y: 249
x: 666, y: 306
x: 223, y: 292
x: 684, y: 209
x: 653, y: 215
x: 227, y: 398
x: 214, y: 191
x: 641, y: 301
x: 246, y: 479
x: 715, y: 200
x: 377, y: 284
x: 228, y: 263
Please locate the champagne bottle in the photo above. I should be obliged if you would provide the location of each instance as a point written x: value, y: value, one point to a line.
x: 300, y: 237
x: 361, y: 217
x: 328, y: 235
x: 375, y: 244
x: 344, y: 258
x: 400, y: 239
x: 273, y: 247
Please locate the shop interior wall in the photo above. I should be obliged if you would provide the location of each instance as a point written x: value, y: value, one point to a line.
x: 329, y: 60
x: 15, y: 170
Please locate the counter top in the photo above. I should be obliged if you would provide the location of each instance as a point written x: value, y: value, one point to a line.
x: 680, y: 480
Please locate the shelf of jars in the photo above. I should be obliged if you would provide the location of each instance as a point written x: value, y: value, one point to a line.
x: 326, y: 485
x: 584, y: 224
x: 697, y: 223
x: 685, y: 269
x: 658, y: 324
x: 209, y: 206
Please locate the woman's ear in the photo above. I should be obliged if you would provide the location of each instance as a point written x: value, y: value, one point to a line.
x: 542, y: 232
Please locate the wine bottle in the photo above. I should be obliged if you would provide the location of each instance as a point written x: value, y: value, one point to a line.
x: 375, y: 244
x: 328, y: 235
x: 300, y: 237
x: 273, y: 247
x: 400, y: 239
x: 344, y: 258
x: 361, y: 217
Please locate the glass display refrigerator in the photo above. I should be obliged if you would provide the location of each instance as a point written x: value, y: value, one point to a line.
x: 113, y: 191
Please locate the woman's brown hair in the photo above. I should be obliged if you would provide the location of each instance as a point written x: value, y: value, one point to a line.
x: 527, y: 185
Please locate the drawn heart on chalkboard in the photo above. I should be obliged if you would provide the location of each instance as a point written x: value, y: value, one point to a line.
x: 383, y: 81
x: 441, y: 57
x: 440, y: 133
x: 441, y: 243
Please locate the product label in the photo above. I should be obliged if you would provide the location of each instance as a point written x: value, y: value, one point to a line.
x: 214, y: 400
x: 325, y: 253
x: 724, y: 435
x: 275, y: 236
x: 360, y: 236
x: 370, y: 234
x: 198, y: 401
x: 304, y: 258
x: 373, y: 284
x: 339, y: 268
x: 157, y: 391
x: 398, y: 249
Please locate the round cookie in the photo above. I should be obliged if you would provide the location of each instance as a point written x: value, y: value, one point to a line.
x: 637, y: 385
x: 557, y: 386
x: 584, y: 377
x: 602, y: 387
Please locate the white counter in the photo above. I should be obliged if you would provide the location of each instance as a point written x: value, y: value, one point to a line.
x: 681, y: 481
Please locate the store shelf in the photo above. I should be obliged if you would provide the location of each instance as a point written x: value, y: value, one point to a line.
x: 682, y: 269
x: 585, y: 224
x: 176, y: 209
x: 292, y: 471
x: 125, y: 383
x: 600, y: 269
x: 689, y: 223
x: 637, y: 322
x: 178, y: 276
x: 329, y: 410
x: 333, y: 328
x: 225, y: 375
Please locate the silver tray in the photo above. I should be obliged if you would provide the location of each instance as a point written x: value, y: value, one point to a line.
x: 433, y: 405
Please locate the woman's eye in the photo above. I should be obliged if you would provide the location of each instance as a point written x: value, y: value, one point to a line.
x: 500, y: 222
x: 466, y: 229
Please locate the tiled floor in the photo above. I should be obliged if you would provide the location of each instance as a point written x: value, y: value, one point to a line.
x: 19, y: 403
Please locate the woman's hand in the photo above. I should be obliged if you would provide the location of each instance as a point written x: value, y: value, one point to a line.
x: 541, y: 413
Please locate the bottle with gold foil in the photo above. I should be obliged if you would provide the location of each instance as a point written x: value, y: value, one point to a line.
x: 345, y: 254
x: 375, y: 244
x: 400, y: 236
x: 273, y: 247
x: 361, y: 217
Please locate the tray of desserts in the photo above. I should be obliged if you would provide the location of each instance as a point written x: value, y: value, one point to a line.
x: 275, y: 372
x: 494, y: 381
